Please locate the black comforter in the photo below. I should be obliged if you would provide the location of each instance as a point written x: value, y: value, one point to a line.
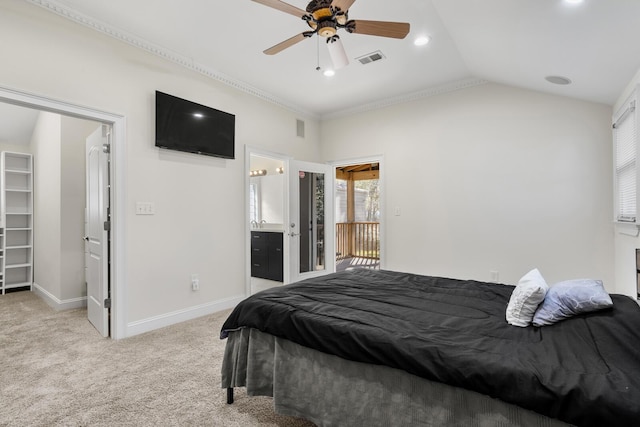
x: 584, y: 370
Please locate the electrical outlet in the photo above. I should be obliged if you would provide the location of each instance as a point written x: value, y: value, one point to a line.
x: 195, y: 282
x: 495, y: 276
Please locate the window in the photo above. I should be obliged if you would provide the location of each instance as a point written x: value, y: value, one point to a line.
x: 625, y: 137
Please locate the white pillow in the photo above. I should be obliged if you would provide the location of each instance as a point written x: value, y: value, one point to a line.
x: 569, y: 298
x: 526, y: 297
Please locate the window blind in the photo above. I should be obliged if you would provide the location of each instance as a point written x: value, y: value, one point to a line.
x: 625, y: 138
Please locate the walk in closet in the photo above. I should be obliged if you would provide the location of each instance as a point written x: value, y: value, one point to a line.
x: 16, y: 220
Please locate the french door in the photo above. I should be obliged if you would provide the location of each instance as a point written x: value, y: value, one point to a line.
x: 311, y: 226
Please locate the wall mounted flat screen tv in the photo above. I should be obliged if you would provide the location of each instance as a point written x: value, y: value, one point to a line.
x: 186, y: 126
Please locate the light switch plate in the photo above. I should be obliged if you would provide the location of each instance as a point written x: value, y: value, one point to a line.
x: 145, y: 208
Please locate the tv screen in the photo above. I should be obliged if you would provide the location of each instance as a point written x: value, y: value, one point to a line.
x: 186, y: 126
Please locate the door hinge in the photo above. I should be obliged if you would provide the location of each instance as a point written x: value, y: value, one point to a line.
x: 107, y: 303
x: 107, y: 226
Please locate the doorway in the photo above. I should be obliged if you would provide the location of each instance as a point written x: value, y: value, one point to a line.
x: 266, y: 218
x: 117, y: 321
x: 300, y: 209
x: 358, y: 201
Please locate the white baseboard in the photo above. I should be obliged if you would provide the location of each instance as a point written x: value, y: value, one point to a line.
x: 168, y: 319
x: 58, y: 304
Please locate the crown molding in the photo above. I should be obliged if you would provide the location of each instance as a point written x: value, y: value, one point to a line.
x: 164, y: 53
x: 409, y: 97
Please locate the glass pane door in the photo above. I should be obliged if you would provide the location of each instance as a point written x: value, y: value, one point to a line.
x: 311, y: 228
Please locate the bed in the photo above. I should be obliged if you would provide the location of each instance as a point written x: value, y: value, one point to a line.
x: 369, y: 347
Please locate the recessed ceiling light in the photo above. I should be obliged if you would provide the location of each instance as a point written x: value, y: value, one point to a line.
x: 558, y: 80
x: 422, y: 40
x: 573, y: 1
x: 198, y: 115
x: 329, y: 73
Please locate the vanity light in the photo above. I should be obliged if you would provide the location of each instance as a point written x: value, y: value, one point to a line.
x: 258, y: 172
x: 280, y: 170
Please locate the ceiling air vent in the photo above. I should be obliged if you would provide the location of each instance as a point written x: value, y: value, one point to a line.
x: 371, y: 57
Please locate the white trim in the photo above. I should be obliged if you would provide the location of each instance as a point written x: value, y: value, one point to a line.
x: 57, y: 304
x: 627, y: 228
x: 118, y: 188
x: 175, y: 317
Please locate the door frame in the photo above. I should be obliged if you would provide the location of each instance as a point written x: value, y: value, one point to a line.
x: 253, y: 151
x: 118, y: 324
x: 381, y: 183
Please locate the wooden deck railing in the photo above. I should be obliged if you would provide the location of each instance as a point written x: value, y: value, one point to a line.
x: 357, y: 239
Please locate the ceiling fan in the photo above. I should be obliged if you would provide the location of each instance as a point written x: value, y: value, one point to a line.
x: 325, y: 18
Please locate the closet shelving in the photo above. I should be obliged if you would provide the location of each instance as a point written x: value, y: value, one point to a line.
x: 16, y: 233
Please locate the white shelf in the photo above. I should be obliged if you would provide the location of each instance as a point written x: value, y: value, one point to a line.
x: 17, y: 285
x: 23, y: 265
x: 16, y: 240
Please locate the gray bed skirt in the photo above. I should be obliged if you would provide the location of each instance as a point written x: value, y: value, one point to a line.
x: 331, y: 391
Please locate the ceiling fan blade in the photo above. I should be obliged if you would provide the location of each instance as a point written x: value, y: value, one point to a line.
x: 283, y: 7
x: 285, y: 44
x: 396, y: 30
x: 344, y: 5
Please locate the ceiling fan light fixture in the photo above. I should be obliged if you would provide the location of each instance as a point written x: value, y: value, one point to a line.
x: 337, y: 53
x: 327, y: 28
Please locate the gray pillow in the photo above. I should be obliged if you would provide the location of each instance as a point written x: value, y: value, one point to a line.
x: 525, y: 298
x: 571, y: 297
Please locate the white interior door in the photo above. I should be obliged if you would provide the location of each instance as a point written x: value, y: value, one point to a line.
x: 311, y: 226
x: 96, y: 229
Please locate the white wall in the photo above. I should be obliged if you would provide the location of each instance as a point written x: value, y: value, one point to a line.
x: 46, y: 149
x: 490, y: 178
x: 16, y: 148
x: 200, y: 208
x: 58, y: 146
x: 625, y: 244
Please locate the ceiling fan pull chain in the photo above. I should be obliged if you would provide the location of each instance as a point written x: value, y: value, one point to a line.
x: 318, y: 53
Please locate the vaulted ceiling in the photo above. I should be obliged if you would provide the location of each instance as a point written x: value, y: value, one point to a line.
x: 595, y: 44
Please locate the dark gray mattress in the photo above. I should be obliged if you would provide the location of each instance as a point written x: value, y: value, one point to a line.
x: 583, y: 370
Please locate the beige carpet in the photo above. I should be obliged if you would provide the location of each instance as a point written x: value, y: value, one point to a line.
x: 55, y: 370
